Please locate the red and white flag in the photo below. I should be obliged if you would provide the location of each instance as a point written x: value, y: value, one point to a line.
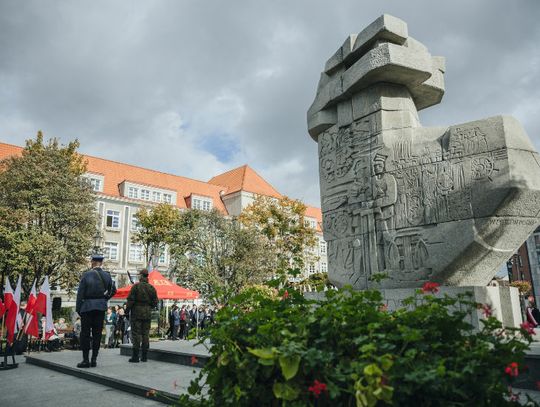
x: 44, y: 306
x: 31, y: 327
x: 2, y: 308
x: 8, y: 294
x: 13, y: 318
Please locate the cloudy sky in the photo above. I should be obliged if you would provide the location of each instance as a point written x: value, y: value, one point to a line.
x: 196, y: 88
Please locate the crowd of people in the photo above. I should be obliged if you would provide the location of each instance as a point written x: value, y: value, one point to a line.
x: 117, y: 328
x: 186, y: 318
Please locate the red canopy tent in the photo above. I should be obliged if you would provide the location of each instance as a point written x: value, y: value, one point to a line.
x: 166, y: 290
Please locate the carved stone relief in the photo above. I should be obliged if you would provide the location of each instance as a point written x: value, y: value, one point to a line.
x: 392, y: 196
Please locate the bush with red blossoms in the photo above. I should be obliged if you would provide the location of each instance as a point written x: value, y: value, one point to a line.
x: 512, y: 369
x: 348, y: 350
x: 317, y: 388
x: 430, y: 287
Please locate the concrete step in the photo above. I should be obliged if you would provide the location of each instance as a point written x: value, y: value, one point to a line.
x: 113, y: 370
x: 187, y: 353
x: 529, y: 377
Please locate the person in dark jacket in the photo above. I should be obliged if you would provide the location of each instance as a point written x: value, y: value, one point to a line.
x: 141, y: 300
x: 95, y: 289
x: 533, y: 314
x: 176, y: 322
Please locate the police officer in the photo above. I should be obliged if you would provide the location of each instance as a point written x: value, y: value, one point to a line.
x: 95, y: 289
x: 141, y: 300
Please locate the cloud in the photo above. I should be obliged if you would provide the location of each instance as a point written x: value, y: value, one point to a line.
x: 197, y: 88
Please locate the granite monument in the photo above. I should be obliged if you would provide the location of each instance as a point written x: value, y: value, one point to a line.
x: 444, y: 204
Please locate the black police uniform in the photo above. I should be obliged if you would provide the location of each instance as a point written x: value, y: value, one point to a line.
x: 95, y: 289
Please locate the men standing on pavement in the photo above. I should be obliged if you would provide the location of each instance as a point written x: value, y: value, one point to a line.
x: 141, y: 300
x: 95, y: 289
x: 533, y: 314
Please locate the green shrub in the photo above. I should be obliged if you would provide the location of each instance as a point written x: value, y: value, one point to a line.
x: 349, y: 351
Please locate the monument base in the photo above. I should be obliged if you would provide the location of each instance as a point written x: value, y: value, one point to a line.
x: 504, y: 301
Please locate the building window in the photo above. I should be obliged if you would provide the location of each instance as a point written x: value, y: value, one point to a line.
x: 111, y: 250
x: 201, y: 204
x: 322, y: 247
x: 145, y: 194
x: 113, y: 219
x: 311, y: 268
x: 323, y: 267
x: 135, y: 224
x: 156, y: 196
x: 133, y: 192
x: 167, y: 198
x: 135, y: 253
x: 95, y: 184
x: 310, y: 223
x: 162, y: 256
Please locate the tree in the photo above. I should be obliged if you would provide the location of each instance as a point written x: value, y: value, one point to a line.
x: 155, y: 228
x: 47, y: 213
x: 282, y: 222
x: 216, y: 256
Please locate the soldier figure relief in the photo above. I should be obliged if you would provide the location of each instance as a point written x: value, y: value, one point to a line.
x: 394, y: 194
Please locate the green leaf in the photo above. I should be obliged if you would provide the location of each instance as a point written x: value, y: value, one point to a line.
x: 289, y: 366
x: 266, y: 362
x: 285, y: 391
x: 263, y: 353
x: 372, y: 370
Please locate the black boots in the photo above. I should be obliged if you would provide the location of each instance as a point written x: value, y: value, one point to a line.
x: 135, y: 357
x: 94, y: 357
x: 143, y: 355
x: 84, y: 364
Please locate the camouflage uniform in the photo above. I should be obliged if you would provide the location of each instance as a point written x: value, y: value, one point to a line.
x: 141, y: 300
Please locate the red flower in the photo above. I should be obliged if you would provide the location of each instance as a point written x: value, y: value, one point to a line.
x: 317, y: 388
x: 527, y: 326
x: 512, y: 369
x: 194, y: 360
x: 430, y: 287
x: 486, y: 310
x: 151, y: 393
x: 285, y: 295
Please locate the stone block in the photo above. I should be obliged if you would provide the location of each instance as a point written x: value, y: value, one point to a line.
x: 504, y: 302
x: 449, y: 205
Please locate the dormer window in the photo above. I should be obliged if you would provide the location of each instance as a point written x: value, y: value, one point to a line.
x: 131, y: 189
x: 94, y: 181
x: 203, y: 204
x: 145, y: 194
x: 133, y: 192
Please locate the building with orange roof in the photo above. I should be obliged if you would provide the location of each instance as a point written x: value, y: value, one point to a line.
x: 121, y: 189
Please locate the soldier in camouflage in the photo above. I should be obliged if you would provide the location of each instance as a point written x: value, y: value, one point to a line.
x: 141, y: 300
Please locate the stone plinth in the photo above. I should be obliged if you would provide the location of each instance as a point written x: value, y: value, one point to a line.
x: 448, y: 204
x: 504, y: 301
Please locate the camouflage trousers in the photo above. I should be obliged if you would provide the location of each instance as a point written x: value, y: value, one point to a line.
x: 140, y: 329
